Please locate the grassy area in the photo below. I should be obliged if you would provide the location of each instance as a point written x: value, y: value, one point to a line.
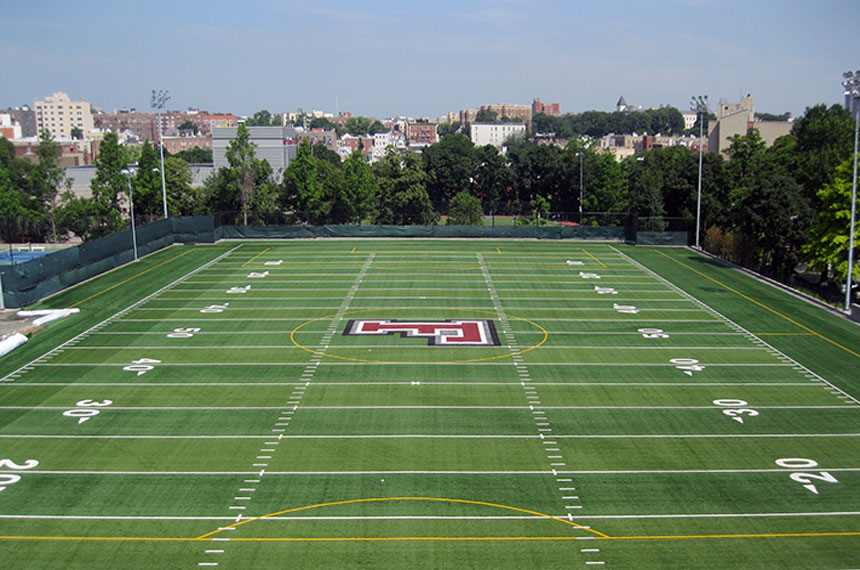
x: 431, y: 403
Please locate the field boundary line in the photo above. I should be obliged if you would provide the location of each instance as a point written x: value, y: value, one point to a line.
x: 116, y: 315
x: 738, y: 327
x: 760, y: 304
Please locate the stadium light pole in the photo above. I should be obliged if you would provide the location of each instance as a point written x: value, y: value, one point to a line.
x: 699, y: 104
x: 129, y: 172
x: 852, y: 90
x: 157, y: 102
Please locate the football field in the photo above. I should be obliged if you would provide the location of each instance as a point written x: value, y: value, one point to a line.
x: 431, y: 404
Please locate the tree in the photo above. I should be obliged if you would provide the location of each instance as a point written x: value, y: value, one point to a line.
x: 445, y: 129
x: 465, y: 210
x: 401, y: 196
x: 323, y: 153
x: 146, y: 187
x: 358, y: 126
x: 825, y: 138
x: 827, y: 247
x: 13, y: 211
x: 450, y: 166
x: 359, y: 185
x: 492, y: 179
x: 537, y: 170
x: 486, y: 116
x: 775, y: 221
x: 109, y: 183
x: 47, y: 178
x: 263, y: 118
x: 376, y: 127
x: 188, y: 126
x: 76, y: 133
x: 301, y: 190
x: 182, y: 198
x: 241, y: 157
x: 195, y: 155
x: 322, y: 123
x: 644, y: 184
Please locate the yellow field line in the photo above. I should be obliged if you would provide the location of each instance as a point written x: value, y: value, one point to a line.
x: 382, y: 499
x: 763, y: 535
x: 130, y: 278
x: 763, y: 306
x: 256, y: 256
x: 594, y: 258
x: 783, y: 334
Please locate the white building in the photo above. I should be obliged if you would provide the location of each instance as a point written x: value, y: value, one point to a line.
x: 59, y: 115
x: 494, y: 133
x: 9, y: 127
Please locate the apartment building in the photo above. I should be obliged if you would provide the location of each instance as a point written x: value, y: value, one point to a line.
x: 539, y: 106
x: 494, y: 133
x: 59, y: 115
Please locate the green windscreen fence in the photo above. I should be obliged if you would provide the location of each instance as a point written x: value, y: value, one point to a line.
x: 26, y: 283
x: 523, y: 232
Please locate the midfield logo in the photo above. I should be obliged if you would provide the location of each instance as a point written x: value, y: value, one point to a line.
x: 450, y: 332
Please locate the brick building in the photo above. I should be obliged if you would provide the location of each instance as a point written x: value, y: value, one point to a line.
x: 539, y: 106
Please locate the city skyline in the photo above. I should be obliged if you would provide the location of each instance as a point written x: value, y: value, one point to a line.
x: 383, y: 58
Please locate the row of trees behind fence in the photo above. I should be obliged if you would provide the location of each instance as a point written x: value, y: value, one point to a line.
x: 767, y: 208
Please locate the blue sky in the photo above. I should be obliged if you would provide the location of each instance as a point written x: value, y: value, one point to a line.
x: 381, y: 58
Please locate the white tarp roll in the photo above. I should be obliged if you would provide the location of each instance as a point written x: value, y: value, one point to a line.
x: 11, y: 343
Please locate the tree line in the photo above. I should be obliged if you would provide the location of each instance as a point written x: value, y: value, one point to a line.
x: 768, y: 208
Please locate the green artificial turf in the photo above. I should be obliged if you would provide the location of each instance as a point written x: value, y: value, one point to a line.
x: 209, y: 387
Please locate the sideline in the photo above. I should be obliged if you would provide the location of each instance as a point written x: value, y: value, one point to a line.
x: 131, y: 278
x: 760, y: 304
